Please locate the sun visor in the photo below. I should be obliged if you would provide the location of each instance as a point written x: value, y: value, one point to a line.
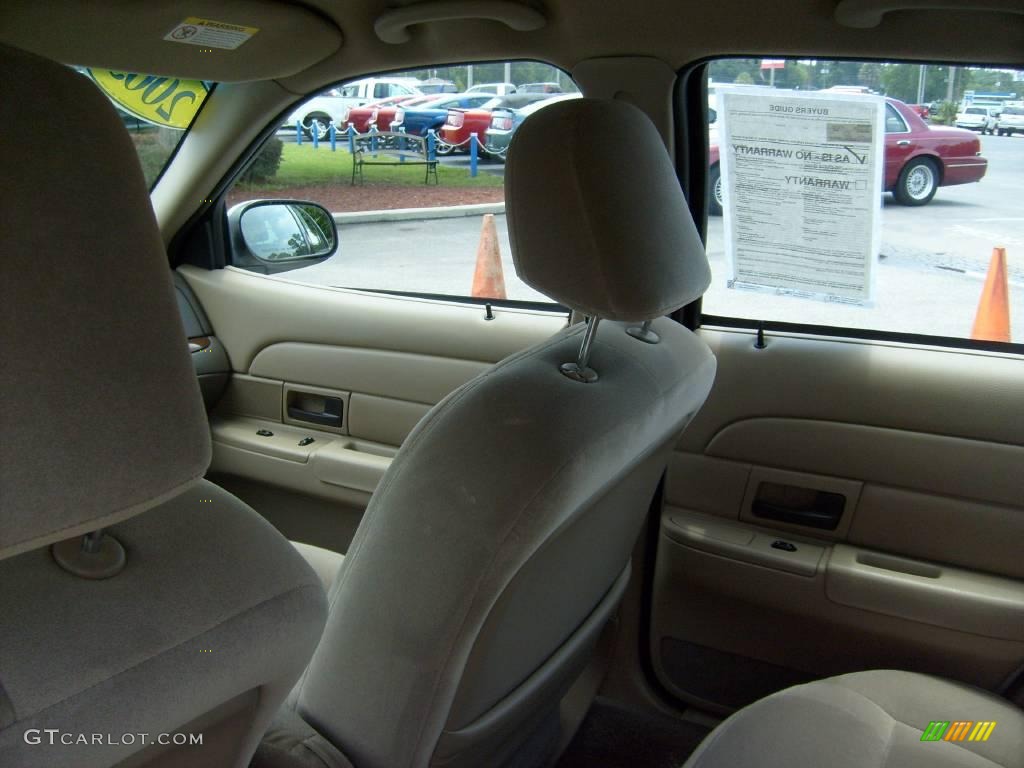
x: 218, y: 40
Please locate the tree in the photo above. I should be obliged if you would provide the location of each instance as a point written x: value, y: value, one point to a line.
x: 870, y: 75
x: 900, y: 81
x: 727, y: 70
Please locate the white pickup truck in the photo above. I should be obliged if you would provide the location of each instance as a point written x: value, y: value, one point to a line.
x: 334, y: 103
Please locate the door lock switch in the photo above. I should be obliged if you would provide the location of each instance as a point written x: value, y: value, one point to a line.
x: 785, y: 546
x: 306, y: 441
x: 264, y: 433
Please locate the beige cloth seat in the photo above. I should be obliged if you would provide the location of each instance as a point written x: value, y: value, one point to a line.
x: 865, y: 720
x: 325, y: 562
x: 497, y: 546
x: 207, y: 622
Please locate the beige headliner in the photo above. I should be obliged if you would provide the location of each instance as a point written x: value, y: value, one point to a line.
x: 297, y: 45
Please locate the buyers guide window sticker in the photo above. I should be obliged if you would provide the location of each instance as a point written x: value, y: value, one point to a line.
x: 210, y: 34
x: 802, y: 192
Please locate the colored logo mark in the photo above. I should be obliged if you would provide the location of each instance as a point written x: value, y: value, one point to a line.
x: 958, y: 730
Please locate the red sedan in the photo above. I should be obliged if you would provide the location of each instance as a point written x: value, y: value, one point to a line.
x: 461, y: 123
x: 379, y: 113
x: 918, y: 158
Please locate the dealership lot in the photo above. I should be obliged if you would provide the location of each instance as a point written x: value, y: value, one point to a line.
x: 941, y: 249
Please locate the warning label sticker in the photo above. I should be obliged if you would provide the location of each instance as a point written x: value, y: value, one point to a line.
x: 210, y: 34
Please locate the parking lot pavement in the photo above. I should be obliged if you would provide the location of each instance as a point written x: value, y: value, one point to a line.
x: 933, y: 264
x: 424, y: 256
x: 929, y: 279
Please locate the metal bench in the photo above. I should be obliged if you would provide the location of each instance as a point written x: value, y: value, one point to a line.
x: 392, y: 148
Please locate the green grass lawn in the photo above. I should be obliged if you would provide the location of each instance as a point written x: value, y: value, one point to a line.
x: 305, y: 166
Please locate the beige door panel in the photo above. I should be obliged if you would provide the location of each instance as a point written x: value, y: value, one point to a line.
x: 722, y: 622
x: 923, y: 568
x: 967, y: 522
x: 954, y: 393
x: 397, y: 375
x: 382, y: 419
x: 982, y: 536
x: 895, y: 457
x: 955, y: 598
x: 251, y: 312
x: 333, y: 467
x: 382, y: 361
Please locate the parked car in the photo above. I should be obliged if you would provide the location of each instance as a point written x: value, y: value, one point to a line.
x: 363, y: 117
x: 923, y: 110
x: 539, y: 88
x: 418, y: 119
x: 386, y: 114
x: 461, y: 123
x: 437, y: 85
x: 1011, y: 121
x: 506, y: 120
x: 918, y: 158
x: 332, y: 104
x: 975, y: 118
x: 496, y: 89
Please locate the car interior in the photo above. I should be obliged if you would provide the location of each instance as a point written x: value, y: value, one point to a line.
x: 248, y: 519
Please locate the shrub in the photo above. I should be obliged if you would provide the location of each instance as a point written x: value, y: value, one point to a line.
x: 264, y: 166
x: 947, y: 113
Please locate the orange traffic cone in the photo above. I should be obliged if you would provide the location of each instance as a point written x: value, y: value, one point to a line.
x: 488, y: 277
x: 993, y: 320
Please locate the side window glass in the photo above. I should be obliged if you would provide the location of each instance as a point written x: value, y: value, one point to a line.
x: 157, y: 111
x: 446, y: 174
x: 866, y: 197
x: 893, y: 122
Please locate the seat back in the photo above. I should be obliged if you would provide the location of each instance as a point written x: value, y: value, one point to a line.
x: 169, y: 634
x: 497, y: 545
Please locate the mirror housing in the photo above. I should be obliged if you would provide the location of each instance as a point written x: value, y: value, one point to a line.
x: 274, y: 236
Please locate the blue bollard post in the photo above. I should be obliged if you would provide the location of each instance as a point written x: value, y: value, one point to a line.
x: 298, y: 132
x: 431, y: 145
x: 472, y: 155
x: 373, y: 140
x: 315, y: 132
x: 333, y: 132
x: 401, y: 143
x: 351, y: 130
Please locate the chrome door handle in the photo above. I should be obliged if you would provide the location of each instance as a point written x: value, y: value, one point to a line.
x: 903, y: 143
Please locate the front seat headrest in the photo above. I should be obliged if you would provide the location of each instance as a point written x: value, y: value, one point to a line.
x: 596, y: 217
x: 101, y: 415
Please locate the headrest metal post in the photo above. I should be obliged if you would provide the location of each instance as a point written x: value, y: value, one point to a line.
x: 580, y: 370
x: 644, y: 333
x: 96, y: 555
x: 92, y: 542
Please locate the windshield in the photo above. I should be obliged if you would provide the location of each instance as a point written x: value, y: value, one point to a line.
x: 156, y: 111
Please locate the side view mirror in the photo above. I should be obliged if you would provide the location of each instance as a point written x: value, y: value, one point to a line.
x: 273, y: 236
